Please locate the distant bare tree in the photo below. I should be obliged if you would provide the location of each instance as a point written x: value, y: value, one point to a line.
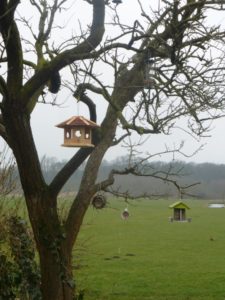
x: 7, y: 173
x: 144, y: 168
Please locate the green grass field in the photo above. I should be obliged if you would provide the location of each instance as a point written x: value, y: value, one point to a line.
x: 147, y: 257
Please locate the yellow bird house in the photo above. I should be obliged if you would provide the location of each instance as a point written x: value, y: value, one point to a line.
x: 179, y: 212
x: 77, y: 132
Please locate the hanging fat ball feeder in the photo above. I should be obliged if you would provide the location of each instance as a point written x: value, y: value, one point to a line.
x: 117, y: 1
x: 77, y: 132
x: 54, y: 83
x: 125, y: 214
x: 149, y: 74
x: 99, y: 201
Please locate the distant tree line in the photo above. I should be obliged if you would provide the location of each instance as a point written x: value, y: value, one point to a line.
x: 211, y: 178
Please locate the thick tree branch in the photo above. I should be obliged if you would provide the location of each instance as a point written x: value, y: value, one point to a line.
x: 67, y: 57
x: 63, y: 175
x: 15, y: 60
x: 13, y: 46
x: 3, y: 87
x: 102, y: 186
x: 3, y: 133
x: 121, y: 138
x: 80, y: 95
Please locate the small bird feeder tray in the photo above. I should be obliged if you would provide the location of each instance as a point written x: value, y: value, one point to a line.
x: 77, y: 132
x: 99, y: 201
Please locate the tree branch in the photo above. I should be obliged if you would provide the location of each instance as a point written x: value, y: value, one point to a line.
x: 13, y: 46
x: 64, y: 174
x: 3, y: 87
x: 67, y: 57
x: 160, y: 175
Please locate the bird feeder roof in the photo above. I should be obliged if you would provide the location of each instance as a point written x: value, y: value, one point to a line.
x: 77, y: 121
x: 179, y: 204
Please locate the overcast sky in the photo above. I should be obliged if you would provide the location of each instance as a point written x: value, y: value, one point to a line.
x: 48, y: 138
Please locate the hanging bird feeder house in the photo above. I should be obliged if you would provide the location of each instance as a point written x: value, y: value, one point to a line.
x: 77, y: 132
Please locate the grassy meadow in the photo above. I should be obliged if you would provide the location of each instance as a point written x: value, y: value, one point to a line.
x: 147, y: 257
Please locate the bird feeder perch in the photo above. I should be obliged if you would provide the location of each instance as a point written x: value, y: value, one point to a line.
x: 77, y: 132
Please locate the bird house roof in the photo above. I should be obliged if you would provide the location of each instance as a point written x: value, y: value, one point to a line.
x: 77, y: 121
x: 179, y: 204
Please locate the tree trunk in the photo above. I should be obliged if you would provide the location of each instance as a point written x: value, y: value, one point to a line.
x: 56, y: 274
x: 55, y: 256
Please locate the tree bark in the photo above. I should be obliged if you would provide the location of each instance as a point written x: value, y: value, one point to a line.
x: 56, y: 269
x: 55, y: 257
x: 54, y: 285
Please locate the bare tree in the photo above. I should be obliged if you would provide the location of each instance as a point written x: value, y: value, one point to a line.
x: 173, y: 40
